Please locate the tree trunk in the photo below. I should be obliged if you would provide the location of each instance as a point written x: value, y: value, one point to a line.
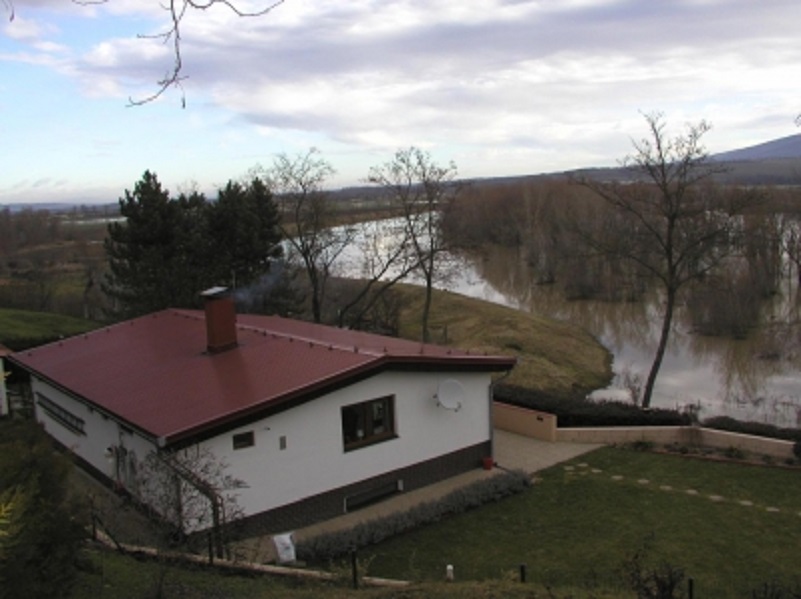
x: 314, y: 283
x: 660, y: 350
x: 316, y: 308
x: 427, y: 308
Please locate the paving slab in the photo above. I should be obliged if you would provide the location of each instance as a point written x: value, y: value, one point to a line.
x: 516, y: 452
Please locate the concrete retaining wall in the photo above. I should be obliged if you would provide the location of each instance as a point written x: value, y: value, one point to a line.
x: 681, y: 435
x: 662, y: 435
x: 775, y: 448
x: 543, y: 426
x: 529, y: 423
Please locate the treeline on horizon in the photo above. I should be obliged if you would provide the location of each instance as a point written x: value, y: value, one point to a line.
x: 49, y: 263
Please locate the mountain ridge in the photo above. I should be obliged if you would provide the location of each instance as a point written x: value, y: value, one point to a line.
x: 774, y: 162
x: 776, y: 149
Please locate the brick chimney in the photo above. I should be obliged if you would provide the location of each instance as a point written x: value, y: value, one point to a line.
x: 220, y: 320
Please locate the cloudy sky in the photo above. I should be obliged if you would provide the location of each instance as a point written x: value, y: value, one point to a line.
x: 500, y: 87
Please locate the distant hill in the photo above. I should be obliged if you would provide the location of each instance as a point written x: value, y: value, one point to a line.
x: 776, y: 162
x: 777, y: 149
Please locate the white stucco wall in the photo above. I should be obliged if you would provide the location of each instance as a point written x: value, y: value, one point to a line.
x: 315, y: 461
x: 101, y: 431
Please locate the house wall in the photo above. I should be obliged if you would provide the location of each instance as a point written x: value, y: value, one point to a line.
x: 297, y: 469
x: 314, y: 461
x: 100, y: 432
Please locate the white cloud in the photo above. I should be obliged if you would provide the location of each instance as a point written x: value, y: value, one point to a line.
x: 507, y: 85
x: 25, y: 29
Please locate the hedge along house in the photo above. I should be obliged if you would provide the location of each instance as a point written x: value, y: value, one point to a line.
x: 314, y: 420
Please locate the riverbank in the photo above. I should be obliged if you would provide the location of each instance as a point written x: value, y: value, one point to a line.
x: 557, y: 359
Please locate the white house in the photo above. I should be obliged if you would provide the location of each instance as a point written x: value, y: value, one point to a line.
x: 314, y: 420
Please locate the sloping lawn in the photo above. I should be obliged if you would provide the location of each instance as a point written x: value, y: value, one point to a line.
x: 109, y: 574
x: 555, y: 358
x: 581, y: 522
x: 23, y: 328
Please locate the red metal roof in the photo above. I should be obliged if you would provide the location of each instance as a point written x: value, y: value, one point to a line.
x: 155, y: 374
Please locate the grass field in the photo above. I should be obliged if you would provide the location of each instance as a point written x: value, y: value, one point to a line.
x: 27, y: 326
x: 579, y: 524
x: 574, y: 529
x: 554, y: 358
x: 114, y: 576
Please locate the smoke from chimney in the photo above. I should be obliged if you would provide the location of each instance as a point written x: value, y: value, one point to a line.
x: 220, y: 320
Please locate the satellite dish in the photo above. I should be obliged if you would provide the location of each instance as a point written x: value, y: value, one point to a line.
x: 450, y: 394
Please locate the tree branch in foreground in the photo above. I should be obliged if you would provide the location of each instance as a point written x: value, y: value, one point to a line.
x: 178, y: 10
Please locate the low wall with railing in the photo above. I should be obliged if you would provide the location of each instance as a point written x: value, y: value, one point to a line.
x: 543, y: 426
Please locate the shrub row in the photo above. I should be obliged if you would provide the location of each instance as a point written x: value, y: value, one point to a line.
x: 334, y: 544
x: 584, y: 413
x: 760, y: 429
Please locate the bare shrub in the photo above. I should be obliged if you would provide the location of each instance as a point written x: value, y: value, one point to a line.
x: 649, y: 580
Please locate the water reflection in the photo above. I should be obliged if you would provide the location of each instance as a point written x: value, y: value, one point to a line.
x: 754, y: 379
x: 757, y: 379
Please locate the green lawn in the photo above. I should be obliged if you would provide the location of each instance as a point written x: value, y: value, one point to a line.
x: 111, y: 575
x: 579, y: 526
x: 555, y: 358
x: 120, y: 577
x: 23, y: 326
x: 574, y: 529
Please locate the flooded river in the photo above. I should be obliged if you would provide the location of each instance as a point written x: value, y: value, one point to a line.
x: 756, y: 379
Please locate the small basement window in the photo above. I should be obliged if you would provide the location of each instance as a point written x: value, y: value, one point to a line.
x: 243, y: 440
x: 368, y: 422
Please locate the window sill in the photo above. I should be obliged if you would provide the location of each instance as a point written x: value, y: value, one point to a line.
x: 371, y: 441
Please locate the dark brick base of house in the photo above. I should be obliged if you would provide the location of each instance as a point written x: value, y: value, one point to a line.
x: 339, y: 501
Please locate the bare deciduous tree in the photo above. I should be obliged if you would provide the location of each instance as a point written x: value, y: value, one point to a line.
x: 422, y: 190
x: 308, y: 224
x: 387, y: 258
x: 192, y: 490
x: 790, y: 239
x: 677, y: 227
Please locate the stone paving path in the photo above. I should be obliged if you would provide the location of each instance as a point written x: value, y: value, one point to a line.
x: 584, y: 469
